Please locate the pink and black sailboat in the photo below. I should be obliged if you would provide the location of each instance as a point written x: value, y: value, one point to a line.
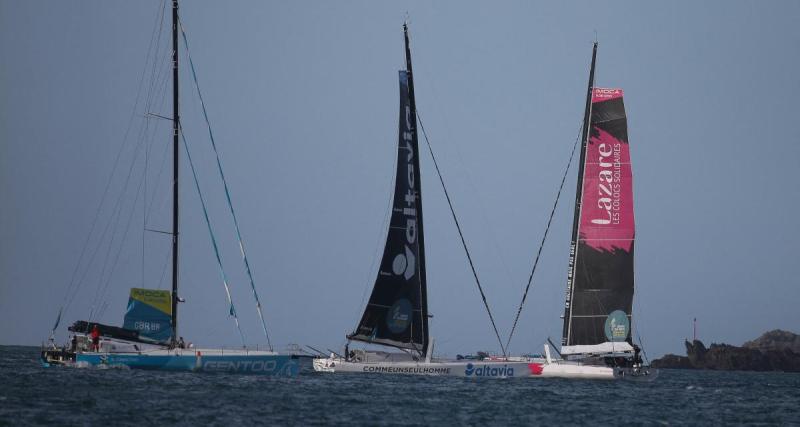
x: 598, y: 312
x: 597, y: 341
x: 600, y: 280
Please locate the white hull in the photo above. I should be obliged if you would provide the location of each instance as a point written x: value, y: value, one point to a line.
x: 534, y: 368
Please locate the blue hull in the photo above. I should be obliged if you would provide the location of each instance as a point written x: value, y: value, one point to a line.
x: 271, y: 365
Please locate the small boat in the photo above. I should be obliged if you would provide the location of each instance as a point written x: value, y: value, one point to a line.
x: 149, y: 337
x: 396, y: 314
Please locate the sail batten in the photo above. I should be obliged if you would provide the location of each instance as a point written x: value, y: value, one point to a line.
x: 397, y: 313
x: 600, y: 302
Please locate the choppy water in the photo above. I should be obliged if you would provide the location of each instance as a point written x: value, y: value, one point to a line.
x: 30, y: 394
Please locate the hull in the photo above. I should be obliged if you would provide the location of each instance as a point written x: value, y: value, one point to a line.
x: 533, y: 368
x: 196, y: 360
x: 578, y: 371
x: 491, y: 369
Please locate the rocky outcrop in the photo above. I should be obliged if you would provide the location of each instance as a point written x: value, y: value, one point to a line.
x: 672, y: 361
x: 775, y: 340
x: 773, y: 351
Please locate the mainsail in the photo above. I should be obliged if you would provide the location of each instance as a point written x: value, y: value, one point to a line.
x: 397, y: 312
x: 597, y: 317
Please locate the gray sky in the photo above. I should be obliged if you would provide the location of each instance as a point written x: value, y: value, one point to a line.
x: 303, y: 100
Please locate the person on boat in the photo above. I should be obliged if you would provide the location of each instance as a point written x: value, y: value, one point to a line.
x: 181, y: 343
x: 74, y: 343
x: 95, y: 338
x: 637, y: 357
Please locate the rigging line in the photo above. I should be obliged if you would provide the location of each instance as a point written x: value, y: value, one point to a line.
x: 544, y: 238
x: 460, y: 234
x: 480, y: 202
x: 72, y: 287
x: 164, y: 158
x: 149, y: 136
x: 227, y: 192
x: 117, y: 211
x: 154, y: 68
x: 222, y: 274
x: 116, y: 217
x: 644, y: 353
x: 153, y: 85
x: 147, y: 152
x: 164, y: 268
x: 119, y: 251
x: 104, y: 280
x: 635, y: 313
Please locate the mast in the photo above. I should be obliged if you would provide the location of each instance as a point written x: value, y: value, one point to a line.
x: 420, y: 222
x: 573, y: 248
x: 175, y: 155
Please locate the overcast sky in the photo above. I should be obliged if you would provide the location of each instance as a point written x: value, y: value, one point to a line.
x: 303, y: 100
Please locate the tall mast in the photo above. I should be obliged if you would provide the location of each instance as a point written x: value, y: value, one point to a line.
x: 420, y: 234
x: 175, y: 155
x: 573, y: 248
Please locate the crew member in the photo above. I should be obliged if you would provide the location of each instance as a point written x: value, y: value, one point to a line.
x: 95, y: 338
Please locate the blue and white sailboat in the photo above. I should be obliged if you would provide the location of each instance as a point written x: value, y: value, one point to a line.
x: 149, y: 336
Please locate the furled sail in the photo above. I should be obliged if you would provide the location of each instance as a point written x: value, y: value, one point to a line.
x: 397, y: 312
x: 150, y: 313
x: 600, y: 288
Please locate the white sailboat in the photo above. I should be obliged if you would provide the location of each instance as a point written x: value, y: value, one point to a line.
x: 149, y: 336
x: 396, y: 314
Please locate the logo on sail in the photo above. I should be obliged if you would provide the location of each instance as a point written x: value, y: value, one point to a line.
x: 617, y: 326
x: 606, y: 93
x: 399, y: 316
x: 404, y: 264
x: 608, y: 182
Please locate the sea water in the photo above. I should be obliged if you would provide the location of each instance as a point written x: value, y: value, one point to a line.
x: 31, y: 394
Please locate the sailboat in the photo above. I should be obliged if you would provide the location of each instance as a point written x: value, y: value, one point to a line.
x: 149, y: 337
x: 396, y: 314
x: 597, y: 339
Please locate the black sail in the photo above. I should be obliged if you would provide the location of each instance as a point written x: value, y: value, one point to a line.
x: 397, y: 312
x: 598, y: 311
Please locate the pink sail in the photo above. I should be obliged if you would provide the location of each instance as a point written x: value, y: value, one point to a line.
x: 607, y: 203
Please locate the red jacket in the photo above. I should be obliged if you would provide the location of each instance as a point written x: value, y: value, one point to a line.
x: 95, y: 333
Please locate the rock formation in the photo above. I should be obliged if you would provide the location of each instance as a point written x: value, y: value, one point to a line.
x: 774, y: 351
